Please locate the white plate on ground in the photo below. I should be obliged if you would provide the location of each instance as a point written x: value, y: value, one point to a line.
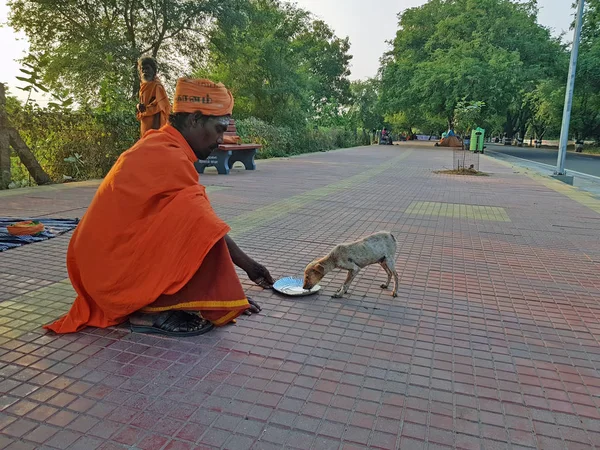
x: 293, y: 286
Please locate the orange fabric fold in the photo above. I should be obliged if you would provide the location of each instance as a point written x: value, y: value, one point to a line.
x: 145, y: 234
x: 218, y: 302
x: 205, y: 96
x: 154, y: 97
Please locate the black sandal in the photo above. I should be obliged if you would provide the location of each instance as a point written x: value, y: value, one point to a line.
x: 175, y: 323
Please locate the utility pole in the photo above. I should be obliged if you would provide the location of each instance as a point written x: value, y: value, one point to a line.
x: 564, y: 130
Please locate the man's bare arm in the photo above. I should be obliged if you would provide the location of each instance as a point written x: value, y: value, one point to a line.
x: 256, y: 272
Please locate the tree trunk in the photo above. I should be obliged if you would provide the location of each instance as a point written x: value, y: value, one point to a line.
x: 9, y: 137
x: 4, y: 142
x: 27, y: 158
x: 135, y: 87
x: 4, y: 159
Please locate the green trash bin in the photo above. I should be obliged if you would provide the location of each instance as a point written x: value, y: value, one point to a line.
x: 477, y: 139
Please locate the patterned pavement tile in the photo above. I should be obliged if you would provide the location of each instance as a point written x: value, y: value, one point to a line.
x: 491, y: 343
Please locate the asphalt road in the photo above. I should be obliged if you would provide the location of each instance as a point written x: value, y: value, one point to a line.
x: 575, y: 161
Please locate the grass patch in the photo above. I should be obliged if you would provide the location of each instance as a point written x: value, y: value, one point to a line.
x: 465, y: 171
x: 591, y: 151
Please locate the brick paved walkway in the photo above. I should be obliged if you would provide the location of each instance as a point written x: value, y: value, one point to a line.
x: 492, y: 342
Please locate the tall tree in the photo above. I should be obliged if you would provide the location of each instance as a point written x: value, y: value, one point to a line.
x: 585, y: 119
x: 282, y: 65
x: 364, y: 110
x: 448, y: 51
x: 79, y: 44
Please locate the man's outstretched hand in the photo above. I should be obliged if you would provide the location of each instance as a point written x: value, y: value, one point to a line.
x: 260, y: 275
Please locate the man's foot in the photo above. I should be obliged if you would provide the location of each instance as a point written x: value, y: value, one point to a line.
x: 170, y: 323
x: 254, y: 308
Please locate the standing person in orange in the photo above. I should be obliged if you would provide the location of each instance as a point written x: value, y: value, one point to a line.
x: 150, y: 248
x: 154, y: 107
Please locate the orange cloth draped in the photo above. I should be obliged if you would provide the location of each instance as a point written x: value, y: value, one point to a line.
x: 200, y: 292
x: 145, y: 235
x: 211, y: 99
x: 156, y: 100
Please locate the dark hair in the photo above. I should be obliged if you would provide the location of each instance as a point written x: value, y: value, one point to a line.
x: 148, y: 60
x: 178, y: 120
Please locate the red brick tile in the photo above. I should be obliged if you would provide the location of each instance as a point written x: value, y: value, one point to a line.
x: 524, y: 438
x: 338, y: 415
x: 357, y: 435
x: 440, y: 436
x: 179, y: 445
x: 83, y: 424
x: 414, y: 431
x: 239, y: 443
x: 414, y: 416
x: 383, y: 440
x: 332, y: 429
x: 62, y: 418
x: 128, y: 435
x: 86, y: 443
x: 411, y: 443
x: 494, y: 433
x: 465, y: 442
x: 105, y: 429
x: 19, y: 427
x: 358, y: 368
x: 42, y: 434
x: 63, y: 439
x: 191, y: 432
x: 152, y: 442
x: 550, y: 443
x: 21, y: 408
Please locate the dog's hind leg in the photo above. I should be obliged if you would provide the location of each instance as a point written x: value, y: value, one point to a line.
x: 390, y: 268
x: 341, y: 291
x: 385, y: 267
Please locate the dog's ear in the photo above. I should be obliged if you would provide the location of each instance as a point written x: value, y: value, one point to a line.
x: 319, y: 268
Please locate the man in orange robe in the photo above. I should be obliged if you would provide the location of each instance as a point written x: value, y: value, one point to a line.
x: 154, y: 106
x: 150, y: 248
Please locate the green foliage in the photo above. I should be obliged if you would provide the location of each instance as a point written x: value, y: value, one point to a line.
x: 282, y: 66
x: 19, y: 174
x: 467, y: 115
x: 78, y: 45
x: 364, y: 111
x: 279, y: 141
x: 452, y: 51
x: 585, y: 118
x: 76, y: 144
x: 545, y: 103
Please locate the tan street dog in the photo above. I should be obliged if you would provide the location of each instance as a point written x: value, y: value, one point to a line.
x: 377, y: 248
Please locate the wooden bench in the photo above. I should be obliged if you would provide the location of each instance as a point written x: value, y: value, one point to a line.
x: 228, y: 154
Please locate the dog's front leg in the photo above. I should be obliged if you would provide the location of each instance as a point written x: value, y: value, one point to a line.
x: 341, y: 291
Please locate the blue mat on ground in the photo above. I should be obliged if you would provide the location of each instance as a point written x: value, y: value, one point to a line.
x: 53, y: 228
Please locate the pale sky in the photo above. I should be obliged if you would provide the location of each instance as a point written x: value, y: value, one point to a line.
x: 367, y: 26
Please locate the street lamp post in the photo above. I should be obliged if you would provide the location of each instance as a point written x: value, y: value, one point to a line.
x: 564, y: 130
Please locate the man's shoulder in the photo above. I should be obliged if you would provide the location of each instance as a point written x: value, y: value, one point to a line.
x: 157, y: 139
x: 151, y: 85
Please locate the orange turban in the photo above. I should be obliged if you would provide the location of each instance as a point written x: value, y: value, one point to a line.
x: 211, y: 99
